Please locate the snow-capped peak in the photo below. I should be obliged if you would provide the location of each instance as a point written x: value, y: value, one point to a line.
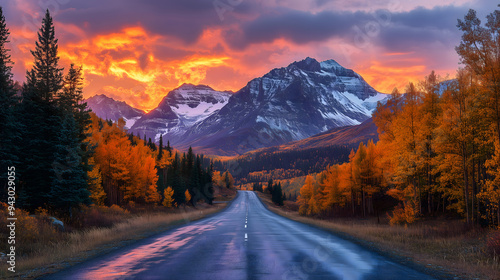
x: 182, y: 108
x: 330, y: 64
x: 108, y: 108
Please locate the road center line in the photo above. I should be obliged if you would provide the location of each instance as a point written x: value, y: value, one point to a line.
x: 246, y: 236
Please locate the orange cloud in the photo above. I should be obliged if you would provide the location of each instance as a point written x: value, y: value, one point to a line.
x: 385, y: 78
x: 129, y: 55
x: 194, y: 69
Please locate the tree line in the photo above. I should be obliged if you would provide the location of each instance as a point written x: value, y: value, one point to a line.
x: 44, y: 127
x: 259, y: 166
x: 278, y: 196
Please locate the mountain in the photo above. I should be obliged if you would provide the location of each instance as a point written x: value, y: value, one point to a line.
x: 181, y: 109
x: 108, y: 108
x: 287, y: 104
x: 346, y: 135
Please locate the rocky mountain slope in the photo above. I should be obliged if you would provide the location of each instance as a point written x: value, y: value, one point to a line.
x: 181, y: 109
x: 108, y: 108
x: 287, y: 104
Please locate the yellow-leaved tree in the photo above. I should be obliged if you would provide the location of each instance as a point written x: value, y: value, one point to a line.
x: 187, y: 195
x: 307, y: 203
x: 168, y: 199
x: 97, y: 194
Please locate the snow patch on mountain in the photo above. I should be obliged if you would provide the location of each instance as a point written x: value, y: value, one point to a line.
x: 130, y: 122
x: 182, y: 108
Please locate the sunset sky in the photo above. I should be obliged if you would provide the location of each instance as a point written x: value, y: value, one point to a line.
x: 137, y: 51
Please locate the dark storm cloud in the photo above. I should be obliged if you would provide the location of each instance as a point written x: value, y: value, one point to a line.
x: 296, y: 26
x: 421, y: 27
x: 387, y: 28
x: 438, y: 17
x: 184, y: 19
x: 248, y: 22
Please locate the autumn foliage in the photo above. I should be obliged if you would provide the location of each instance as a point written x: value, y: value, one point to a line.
x: 439, y: 148
x: 126, y: 169
x: 346, y: 189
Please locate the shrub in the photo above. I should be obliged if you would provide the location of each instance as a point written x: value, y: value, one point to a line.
x: 493, y: 243
x: 403, y: 215
x: 31, y: 231
x: 100, y: 216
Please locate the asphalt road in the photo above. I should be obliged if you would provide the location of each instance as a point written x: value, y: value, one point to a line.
x: 245, y: 241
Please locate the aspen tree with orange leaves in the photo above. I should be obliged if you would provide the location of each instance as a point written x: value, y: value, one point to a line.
x: 168, y: 200
x: 128, y: 172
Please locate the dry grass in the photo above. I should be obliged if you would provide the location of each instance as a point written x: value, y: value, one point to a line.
x: 77, y: 246
x: 224, y: 194
x: 441, y: 246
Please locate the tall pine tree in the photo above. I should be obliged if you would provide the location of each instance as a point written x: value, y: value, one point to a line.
x: 53, y: 171
x: 41, y: 120
x: 9, y: 125
x: 160, y: 149
x: 71, y: 102
x: 46, y: 65
x: 69, y: 181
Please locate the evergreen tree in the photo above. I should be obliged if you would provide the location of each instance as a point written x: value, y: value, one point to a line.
x: 49, y: 77
x: 71, y: 102
x: 49, y: 130
x: 160, y: 151
x: 169, y: 149
x: 195, y: 181
x: 257, y: 187
x: 69, y: 185
x: 228, y: 179
x: 9, y: 125
x: 41, y: 121
x: 277, y: 194
x: 208, y: 189
x: 270, y: 186
x: 189, y: 161
x: 151, y: 145
x: 175, y: 178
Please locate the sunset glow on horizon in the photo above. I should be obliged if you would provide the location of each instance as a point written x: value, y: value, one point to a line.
x: 140, y: 52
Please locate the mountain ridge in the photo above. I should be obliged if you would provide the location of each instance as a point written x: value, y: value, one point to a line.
x: 286, y: 104
x: 108, y: 108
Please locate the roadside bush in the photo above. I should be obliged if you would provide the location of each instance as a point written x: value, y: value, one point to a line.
x: 493, y: 243
x: 100, y: 216
x: 402, y: 215
x: 31, y: 232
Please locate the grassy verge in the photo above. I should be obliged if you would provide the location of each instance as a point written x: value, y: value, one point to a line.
x: 440, y: 247
x: 79, y: 245
x: 223, y: 194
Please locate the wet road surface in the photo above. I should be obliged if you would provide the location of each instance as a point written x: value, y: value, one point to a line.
x: 245, y: 241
